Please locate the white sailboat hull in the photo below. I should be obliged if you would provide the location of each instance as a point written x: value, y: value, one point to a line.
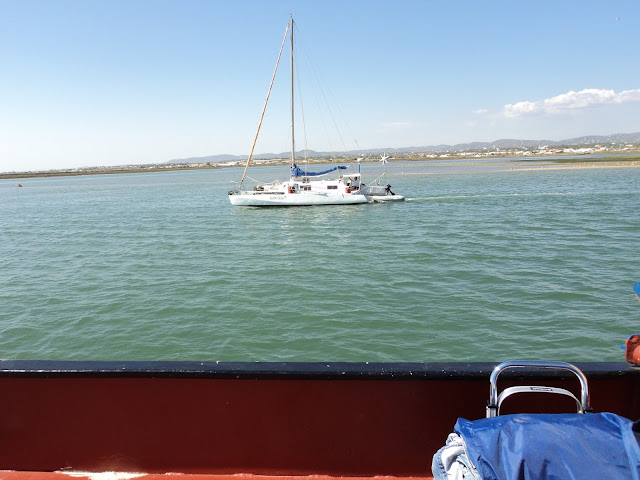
x: 269, y: 199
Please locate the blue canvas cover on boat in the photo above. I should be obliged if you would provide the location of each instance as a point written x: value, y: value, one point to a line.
x: 298, y: 172
x: 552, y: 447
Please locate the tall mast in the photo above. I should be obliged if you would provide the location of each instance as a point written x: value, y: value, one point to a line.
x: 293, y: 140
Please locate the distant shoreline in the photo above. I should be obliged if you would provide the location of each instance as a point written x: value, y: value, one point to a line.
x: 539, y: 162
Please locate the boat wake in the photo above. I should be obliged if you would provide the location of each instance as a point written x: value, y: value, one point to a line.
x: 487, y: 195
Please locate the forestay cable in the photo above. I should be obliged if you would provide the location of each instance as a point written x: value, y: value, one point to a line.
x: 264, y: 109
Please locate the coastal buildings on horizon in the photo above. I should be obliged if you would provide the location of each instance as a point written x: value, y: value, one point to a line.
x: 504, y: 148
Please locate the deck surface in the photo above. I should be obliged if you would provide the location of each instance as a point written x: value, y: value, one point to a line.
x: 71, y: 475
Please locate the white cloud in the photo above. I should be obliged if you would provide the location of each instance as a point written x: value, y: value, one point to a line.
x: 480, y: 111
x: 571, y: 101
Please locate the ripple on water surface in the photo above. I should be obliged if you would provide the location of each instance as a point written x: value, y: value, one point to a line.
x: 473, y: 267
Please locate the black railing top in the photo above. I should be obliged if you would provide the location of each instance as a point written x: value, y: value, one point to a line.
x: 291, y: 370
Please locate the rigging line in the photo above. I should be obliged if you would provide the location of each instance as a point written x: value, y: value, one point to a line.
x: 273, y: 182
x: 311, y: 74
x: 321, y: 115
x: 307, y: 65
x: 304, y: 125
x: 341, y: 114
x: 322, y: 83
x: 334, y: 121
x: 264, y: 109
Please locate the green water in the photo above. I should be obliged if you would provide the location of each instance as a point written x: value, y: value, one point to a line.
x: 477, y: 265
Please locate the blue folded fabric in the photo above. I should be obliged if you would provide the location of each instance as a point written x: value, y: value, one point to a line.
x: 552, y: 447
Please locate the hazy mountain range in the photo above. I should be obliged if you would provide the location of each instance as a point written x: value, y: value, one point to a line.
x: 506, y: 143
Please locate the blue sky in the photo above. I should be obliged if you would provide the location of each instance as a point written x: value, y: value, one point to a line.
x: 116, y: 82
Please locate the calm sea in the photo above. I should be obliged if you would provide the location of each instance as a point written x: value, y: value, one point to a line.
x: 481, y: 263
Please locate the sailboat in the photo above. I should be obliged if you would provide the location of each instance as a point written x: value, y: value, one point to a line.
x: 302, y: 188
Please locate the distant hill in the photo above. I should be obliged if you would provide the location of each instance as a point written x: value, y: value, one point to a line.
x: 633, y: 138
x: 506, y: 143
x: 232, y: 158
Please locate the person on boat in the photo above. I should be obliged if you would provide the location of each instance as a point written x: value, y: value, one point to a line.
x: 632, y: 344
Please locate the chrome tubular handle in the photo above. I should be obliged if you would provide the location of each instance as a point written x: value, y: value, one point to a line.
x: 492, y: 408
